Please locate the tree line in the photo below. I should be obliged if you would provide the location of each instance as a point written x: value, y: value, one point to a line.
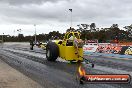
x: 88, y: 32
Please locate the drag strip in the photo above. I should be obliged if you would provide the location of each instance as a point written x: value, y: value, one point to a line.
x: 59, y: 74
x: 111, y: 62
x: 39, y: 72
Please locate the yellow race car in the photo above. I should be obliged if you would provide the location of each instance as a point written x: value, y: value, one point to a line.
x: 42, y: 45
x: 67, y: 48
x: 129, y: 51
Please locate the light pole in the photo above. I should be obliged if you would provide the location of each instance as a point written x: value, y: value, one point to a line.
x: 35, y: 33
x: 14, y: 33
x: 71, y: 17
x: 2, y: 38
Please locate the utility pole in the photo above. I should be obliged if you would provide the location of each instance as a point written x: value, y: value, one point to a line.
x: 35, y: 33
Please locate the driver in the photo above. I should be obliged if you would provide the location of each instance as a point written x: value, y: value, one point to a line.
x: 77, y: 43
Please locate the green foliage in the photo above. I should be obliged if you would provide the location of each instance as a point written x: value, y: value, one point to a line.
x: 107, y: 34
x: 102, y: 34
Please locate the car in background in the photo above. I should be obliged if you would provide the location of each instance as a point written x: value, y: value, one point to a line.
x: 129, y: 51
x: 42, y: 45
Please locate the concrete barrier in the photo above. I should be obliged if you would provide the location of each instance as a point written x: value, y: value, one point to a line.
x: 108, y: 48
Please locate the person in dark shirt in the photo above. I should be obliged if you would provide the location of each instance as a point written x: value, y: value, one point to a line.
x: 31, y: 44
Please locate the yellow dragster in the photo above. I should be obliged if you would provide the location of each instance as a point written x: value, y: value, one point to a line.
x: 66, y: 48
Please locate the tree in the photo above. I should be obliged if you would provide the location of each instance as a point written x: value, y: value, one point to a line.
x: 70, y: 29
x: 20, y: 37
x: 93, y: 27
x: 114, y: 26
x: 129, y: 30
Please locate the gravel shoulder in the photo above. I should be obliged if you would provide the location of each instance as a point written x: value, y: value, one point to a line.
x: 11, y: 78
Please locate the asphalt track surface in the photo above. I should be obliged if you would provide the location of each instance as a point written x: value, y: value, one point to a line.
x: 61, y: 74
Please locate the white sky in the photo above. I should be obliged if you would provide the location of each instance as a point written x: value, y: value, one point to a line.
x: 49, y: 15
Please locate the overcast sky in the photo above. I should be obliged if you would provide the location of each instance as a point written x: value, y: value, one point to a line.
x: 49, y: 15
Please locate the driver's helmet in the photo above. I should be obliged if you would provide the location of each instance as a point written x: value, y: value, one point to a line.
x: 72, y: 38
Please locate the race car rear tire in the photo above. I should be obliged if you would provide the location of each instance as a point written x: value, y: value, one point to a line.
x: 52, y: 51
